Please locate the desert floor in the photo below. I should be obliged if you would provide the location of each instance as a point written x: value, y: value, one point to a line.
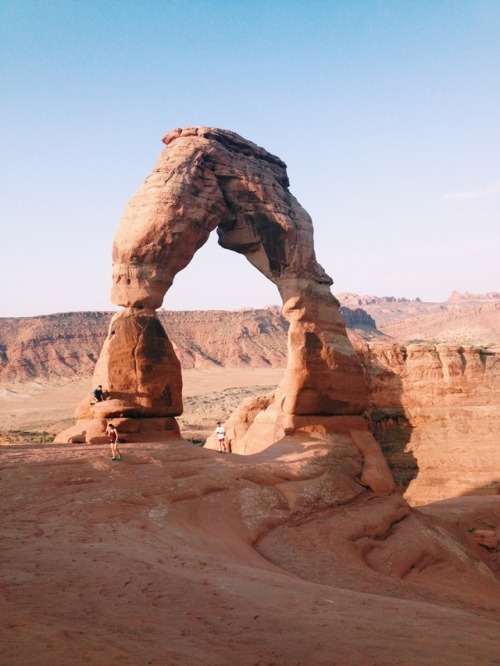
x: 178, y: 555
x: 209, y: 395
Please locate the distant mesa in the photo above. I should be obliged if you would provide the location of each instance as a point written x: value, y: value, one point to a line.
x: 358, y: 319
x: 67, y: 345
x: 352, y: 300
x: 467, y: 296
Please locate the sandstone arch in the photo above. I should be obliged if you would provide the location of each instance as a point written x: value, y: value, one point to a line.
x: 209, y: 179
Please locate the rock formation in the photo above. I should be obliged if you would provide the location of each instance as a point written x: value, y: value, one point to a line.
x: 68, y: 344
x: 457, y: 325
x: 178, y: 555
x: 209, y: 179
x: 435, y: 409
x: 51, y: 346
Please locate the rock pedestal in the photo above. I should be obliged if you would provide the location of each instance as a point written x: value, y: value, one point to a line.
x: 139, y: 369
x: 323, y: 375
x: 142, y: 377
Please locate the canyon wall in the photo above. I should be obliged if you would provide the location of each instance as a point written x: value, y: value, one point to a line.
x: 464, y: 319
x: 67, y: 345
x: 461, y: 324
x: 435, y: 410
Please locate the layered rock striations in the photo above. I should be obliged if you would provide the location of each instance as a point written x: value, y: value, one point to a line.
x: 67, y: 345
x: 246, y: 338
x: 436, y: 412
x: 468, y: 323
x: 52, y: 346
x: 471, y: 319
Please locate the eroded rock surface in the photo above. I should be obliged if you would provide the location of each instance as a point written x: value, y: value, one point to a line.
x: 67, y: 345
x: 179, y: 555
x: 436, y: 412
x: 139, y: 365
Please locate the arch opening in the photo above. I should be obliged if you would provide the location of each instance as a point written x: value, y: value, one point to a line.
x: 210, y: 180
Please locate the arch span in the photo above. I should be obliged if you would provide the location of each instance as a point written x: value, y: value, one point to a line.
x: 209, y: 179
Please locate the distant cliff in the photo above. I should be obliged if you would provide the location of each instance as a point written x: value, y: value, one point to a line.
x: 58, y: 345
x: 464, y: 318
x: 68, y: 344
x: 420, y: 394
x: 435, y: 409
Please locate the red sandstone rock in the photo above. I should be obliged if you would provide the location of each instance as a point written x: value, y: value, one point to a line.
x: 486, y: 538
x: 436, y: 412
x: 178, y: 555
x: 85, y: 431
x: 139, y: 369
x: 209, y: 179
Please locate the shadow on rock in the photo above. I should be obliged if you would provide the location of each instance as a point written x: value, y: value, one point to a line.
x: 387, y: 417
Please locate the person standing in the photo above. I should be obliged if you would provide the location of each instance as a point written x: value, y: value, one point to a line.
x: 113, y: 442
x: 220, y: 431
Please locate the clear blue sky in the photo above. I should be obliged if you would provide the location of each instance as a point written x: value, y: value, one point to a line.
x: 386, y: 113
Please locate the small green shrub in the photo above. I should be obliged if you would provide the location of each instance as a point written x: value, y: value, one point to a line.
x: 26, y: 436
x: 196, y: 441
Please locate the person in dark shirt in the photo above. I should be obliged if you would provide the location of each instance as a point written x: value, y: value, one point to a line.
x: 98, y: 393
x: 112, y: 433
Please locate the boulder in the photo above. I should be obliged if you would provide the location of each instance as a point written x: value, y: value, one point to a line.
x: 85, y: 431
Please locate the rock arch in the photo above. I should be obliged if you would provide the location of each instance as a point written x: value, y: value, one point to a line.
x: 209, y: 179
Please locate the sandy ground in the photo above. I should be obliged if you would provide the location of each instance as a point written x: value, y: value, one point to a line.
x: 178, y: 555
x: 209, y: 395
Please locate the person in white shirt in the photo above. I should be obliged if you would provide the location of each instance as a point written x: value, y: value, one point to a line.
x: 220, y: 431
